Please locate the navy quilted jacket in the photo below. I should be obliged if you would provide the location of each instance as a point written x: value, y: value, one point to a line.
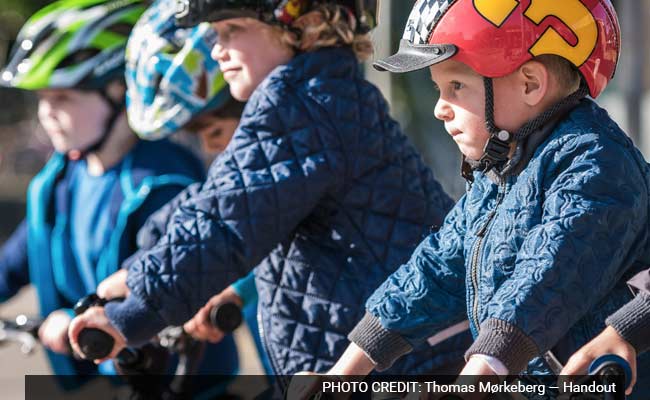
x: 544, y: 253
x: 320, y: 189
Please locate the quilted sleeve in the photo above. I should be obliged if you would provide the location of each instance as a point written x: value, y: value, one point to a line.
x: 154, y: 227
x: 280, y: 164
x: 594, y: 225
x: 423, y: 297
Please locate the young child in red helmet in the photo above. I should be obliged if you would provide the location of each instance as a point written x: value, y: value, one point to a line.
x: 554, y: 220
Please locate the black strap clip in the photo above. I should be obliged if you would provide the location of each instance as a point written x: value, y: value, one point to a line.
x: 496, y: 150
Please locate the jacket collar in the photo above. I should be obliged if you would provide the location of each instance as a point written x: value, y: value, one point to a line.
x: 329, y: 62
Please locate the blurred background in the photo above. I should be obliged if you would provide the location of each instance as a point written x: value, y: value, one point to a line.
x: 24, y: 148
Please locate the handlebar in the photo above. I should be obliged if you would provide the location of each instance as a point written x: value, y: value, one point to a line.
x: 94, y: 343
x: 97, y: 344
x: 227, y: 317
x: 611, y: 368
x: 605, y: 370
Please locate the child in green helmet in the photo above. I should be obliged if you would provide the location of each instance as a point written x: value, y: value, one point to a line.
x: 86, y: 205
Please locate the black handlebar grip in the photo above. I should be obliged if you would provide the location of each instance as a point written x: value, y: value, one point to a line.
x: 95, y: 343
x: 227, y: 317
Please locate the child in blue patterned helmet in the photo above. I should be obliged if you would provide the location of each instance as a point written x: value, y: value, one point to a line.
x: 171, y: 78
x: 86, y: 205
x: 319, y: 194
x: 173, y: 84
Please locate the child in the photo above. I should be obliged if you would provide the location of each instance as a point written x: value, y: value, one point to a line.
x: 86, y: 205
x: 174, y: 84
x: 318, y: 190
x: 537, y: 252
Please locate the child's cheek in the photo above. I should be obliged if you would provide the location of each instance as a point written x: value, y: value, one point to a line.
x: 49, y: 124
x: 66, y: 122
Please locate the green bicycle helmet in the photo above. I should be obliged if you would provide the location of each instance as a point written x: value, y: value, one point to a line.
x: 72, y: 44
x: 75, y: 44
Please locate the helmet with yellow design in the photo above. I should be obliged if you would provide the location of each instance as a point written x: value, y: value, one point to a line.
x: 495, y: 37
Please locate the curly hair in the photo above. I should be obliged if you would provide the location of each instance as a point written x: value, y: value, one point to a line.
x: 335, y: 28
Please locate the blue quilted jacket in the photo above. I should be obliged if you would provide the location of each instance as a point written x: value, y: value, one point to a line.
x: 322, y: 192
x: 537, y: 260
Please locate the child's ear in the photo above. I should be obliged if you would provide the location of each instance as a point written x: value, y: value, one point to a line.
x: 116, y: 90
x: 534, y: 78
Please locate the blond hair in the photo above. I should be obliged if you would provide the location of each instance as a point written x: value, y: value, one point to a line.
x: 335, y: 27
x: 566, y: 74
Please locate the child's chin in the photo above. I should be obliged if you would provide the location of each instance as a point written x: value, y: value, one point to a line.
x: 472, y: 155
x: 240, y: 94
x: 61, y: 148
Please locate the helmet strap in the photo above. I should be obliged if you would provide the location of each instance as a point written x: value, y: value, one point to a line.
x: 497, y: 147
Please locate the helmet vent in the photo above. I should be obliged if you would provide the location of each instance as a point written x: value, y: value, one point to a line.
x: 78, y: 57
x: 120, y: 28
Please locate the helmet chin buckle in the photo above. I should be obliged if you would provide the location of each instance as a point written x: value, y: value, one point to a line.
x: 496, y: 150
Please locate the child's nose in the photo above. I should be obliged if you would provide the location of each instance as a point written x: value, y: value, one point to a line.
x: 443, y: 110
x: 218, y: 52
x: 45, y: 109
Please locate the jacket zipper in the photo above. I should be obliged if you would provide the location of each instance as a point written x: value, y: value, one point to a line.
x: 480, y: 234
x: 265, y: 347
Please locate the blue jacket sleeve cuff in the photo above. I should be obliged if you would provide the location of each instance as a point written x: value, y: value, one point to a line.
x: 246, y: 290
x: 632, y: 322
x: 498, y: 338
x: 134, y: 319
x: 381, y: 346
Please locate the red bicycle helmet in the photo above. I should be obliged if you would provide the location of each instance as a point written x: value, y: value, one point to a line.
x: 495, y: 37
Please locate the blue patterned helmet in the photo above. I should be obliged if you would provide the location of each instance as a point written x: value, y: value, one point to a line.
x: 170, y: 75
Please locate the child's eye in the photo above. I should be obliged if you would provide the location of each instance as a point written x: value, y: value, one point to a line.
x: 436, y: 87
x: 457, y: 85
x: 226, y: 34
x: 60, y: 98
x: 233, y: 29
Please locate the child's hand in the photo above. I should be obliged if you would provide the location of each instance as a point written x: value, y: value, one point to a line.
x: 53, y: 332
x: 95, y: 317
x: 114, y: 286
x: 200, y: 327
x: 608, y: 342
